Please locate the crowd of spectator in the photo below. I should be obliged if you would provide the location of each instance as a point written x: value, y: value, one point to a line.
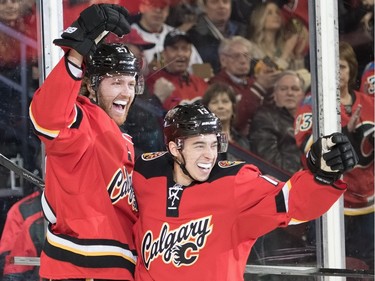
x: 246, y: 60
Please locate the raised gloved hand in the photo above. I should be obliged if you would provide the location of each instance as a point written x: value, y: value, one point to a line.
x: 93, y: 24
x: 330, y: 156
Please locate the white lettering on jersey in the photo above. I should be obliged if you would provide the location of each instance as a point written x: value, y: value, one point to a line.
x: 180, y: 246
x: 120, y: 187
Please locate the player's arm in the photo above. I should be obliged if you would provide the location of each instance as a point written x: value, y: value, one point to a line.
x: 306, y: 196
x: 53, y: 106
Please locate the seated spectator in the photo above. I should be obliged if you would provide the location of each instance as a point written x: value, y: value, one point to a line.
x: 152, y: 28
x: 271, y: 133
x: 173, y: 84
x: 235, y: 59
x: 221, y: 100
x: 268, y: 34
x: 212, y: 26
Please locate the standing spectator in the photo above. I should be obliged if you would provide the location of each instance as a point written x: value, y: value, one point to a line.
x: 174, y: 84
x: 152, y: 27
x: 267, y: 32
x: 357, y: 121
x: 271, y: 133
x: 221, y: 100
x: 88, y: 198
x: 212, y: 26
x: 236, y: 54
x: 199, y: 218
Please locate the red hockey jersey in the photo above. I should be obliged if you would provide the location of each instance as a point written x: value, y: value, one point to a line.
x: 359, y: 199
x: 88, y: 199
x: 205, y: 231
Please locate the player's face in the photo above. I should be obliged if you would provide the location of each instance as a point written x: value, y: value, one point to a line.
x: 115, y: 95
x: 200, y: 154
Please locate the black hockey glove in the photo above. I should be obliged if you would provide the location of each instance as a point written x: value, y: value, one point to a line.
x: 92, y: 26
x: 330, y: 156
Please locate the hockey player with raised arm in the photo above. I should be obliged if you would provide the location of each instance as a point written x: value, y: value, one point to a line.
x: 199, y: 218
x: 88, y: 199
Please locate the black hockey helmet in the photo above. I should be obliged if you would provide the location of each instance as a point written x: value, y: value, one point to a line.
x: 112, y: 59
x: 185, y: 121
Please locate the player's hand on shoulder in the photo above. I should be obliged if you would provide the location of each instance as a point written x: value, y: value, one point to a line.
x: 330, y: 156
x: 91, y: 27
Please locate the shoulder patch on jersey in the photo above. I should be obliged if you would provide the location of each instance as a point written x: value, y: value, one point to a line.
x: 152, y: 155
x: 227, y: 164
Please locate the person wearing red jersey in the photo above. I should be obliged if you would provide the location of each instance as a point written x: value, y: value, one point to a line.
x: 88, y: 199
x: 22, y: 236
x: 357, y: 121
x: 199, y: 218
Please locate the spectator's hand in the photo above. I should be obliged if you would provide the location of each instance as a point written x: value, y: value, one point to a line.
x: 289, y: 46
x: 330, y: 156
x: 366, y: 20
x: 163, y: 89
x: 302, y: 43
x: 93, y: 24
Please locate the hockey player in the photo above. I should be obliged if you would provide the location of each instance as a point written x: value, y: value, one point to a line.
x: 199, y: 218
x: 88, y: 200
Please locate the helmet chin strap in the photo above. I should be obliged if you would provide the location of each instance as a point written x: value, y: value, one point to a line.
x: 183, y: 166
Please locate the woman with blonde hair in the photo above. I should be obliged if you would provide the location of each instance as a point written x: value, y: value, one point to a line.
x: 271, y: 38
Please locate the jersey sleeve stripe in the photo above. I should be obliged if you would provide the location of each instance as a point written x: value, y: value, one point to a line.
x: 94, y: 253
x: 47, y: 210
x: 50, y: 134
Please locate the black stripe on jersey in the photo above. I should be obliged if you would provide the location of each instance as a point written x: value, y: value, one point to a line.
x: 40, y: 134
x: 218, y: 172
x: 78, y: 121
x: 280, y: 202
x: 157, y: 167
x: 107, y: 261
x: 98, y: 261
x: 74, y: 125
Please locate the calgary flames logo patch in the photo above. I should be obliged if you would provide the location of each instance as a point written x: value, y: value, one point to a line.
x: 152, y: 155
x: 179, y: 246
x: 227, y: 164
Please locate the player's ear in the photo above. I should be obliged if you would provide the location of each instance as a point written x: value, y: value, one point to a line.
x: 91, y: 91
x: 173, y: 149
